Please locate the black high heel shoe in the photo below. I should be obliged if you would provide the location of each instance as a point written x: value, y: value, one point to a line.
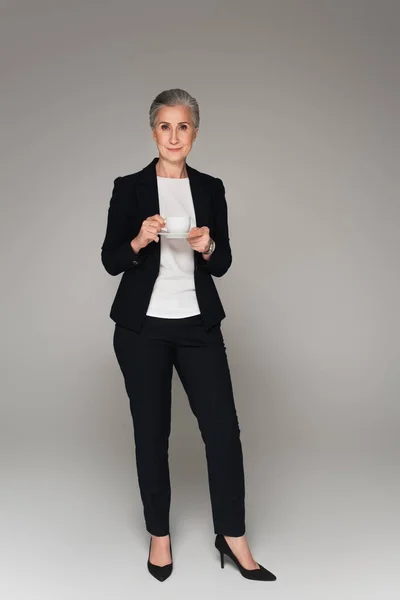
x: 160, y: 573
x: 261, y: 574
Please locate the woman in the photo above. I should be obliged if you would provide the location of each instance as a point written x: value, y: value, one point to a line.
x: 167, y: 313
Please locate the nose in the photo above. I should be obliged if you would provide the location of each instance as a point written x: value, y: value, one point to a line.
x: 174, y: 137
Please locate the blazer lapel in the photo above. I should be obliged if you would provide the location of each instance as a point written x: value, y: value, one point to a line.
x: 147, y: 190
x: 200, y: 195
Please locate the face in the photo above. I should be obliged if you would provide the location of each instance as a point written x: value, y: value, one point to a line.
x: 174, y: 132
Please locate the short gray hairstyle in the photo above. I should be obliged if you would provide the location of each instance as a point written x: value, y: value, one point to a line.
x: 174, y: 97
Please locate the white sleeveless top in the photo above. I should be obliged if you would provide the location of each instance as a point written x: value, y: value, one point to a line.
x: 174, y: 294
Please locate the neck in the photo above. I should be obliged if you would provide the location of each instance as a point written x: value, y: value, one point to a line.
x: 167, y: 169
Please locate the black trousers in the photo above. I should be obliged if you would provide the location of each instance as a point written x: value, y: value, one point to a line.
x: 146, y: 360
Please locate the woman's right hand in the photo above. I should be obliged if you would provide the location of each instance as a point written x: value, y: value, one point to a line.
x: 148, y: 232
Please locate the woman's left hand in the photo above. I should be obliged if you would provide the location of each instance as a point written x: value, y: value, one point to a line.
x: 199, y: 238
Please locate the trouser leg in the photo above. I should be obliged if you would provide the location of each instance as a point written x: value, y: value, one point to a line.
x: 146, y: 361
x: 202, y: 366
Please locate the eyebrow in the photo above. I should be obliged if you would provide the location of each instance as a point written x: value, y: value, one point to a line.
x: 180, y: 122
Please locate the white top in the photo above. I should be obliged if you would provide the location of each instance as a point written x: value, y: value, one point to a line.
x: 174, y: 294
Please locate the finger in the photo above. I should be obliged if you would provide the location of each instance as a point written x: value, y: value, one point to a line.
x: 202, y: 230
x: 196, y: 238
x: 155, y: 223
x: 195, y: 234
x: 159, y: 218
x: 196, y: 245
x: 152, y: 228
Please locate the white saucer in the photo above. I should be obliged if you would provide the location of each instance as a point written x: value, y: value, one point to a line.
x: 171, y: 235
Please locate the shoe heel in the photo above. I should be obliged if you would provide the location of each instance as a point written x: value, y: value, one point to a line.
x: 222, y: 560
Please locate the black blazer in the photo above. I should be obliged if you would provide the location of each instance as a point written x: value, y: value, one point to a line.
x: 134, y: 198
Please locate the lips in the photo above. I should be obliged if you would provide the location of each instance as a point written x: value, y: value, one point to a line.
x: 174, y: 149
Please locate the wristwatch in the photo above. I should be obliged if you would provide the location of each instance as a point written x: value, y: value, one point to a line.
x: 211, y: 247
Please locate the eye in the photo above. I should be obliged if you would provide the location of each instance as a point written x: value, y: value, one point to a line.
x: 163, y: 125
x: 184, y: 126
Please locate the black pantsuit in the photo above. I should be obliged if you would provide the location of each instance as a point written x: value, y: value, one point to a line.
x: 148, y: 347
x: 199, y: 356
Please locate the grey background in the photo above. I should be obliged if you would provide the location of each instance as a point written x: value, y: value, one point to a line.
x: 299, y: 117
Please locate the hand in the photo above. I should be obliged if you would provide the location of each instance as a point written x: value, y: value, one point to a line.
x: 148, y: 232
x: 199, y: 238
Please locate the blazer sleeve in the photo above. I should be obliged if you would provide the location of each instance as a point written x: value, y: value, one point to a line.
x: 221, y: 259
x: 117, y: 254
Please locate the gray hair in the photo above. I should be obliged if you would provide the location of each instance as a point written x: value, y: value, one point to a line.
x: 174, y: 97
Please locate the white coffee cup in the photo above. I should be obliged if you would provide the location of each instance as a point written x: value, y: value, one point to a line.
x: 177, y: 224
